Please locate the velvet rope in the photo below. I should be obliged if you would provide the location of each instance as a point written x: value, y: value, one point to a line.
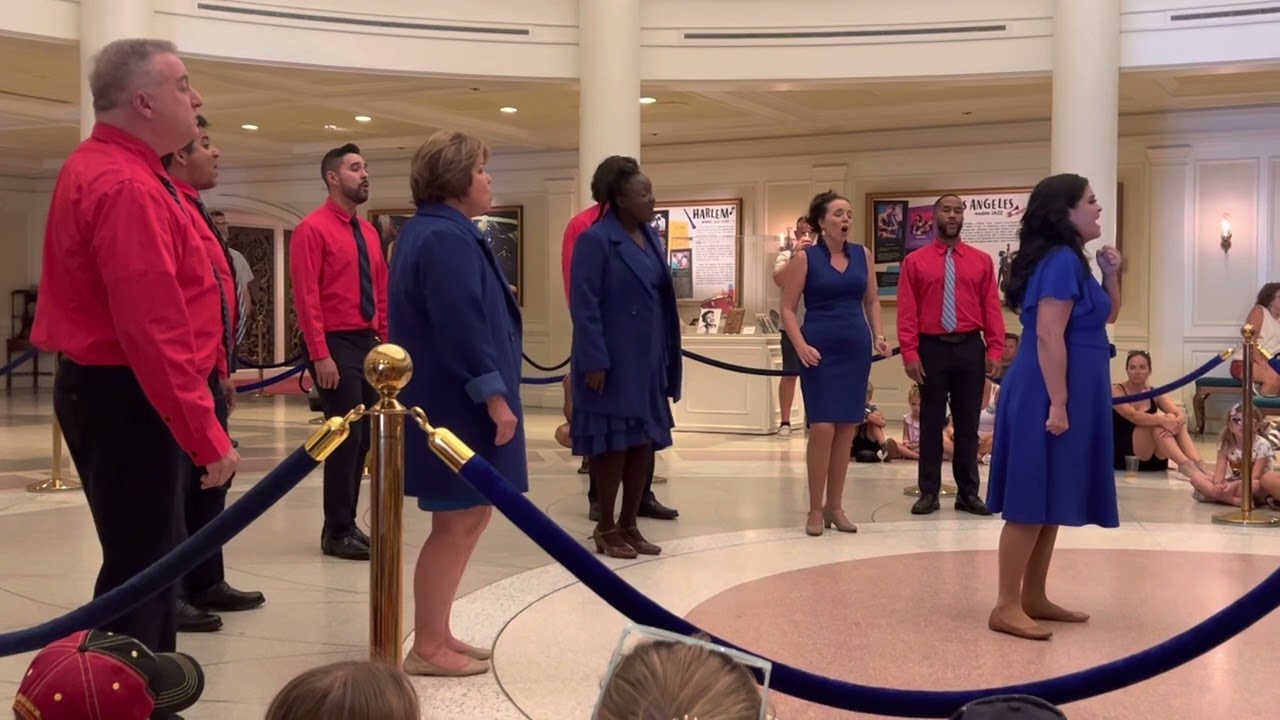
x: 19, y: 361
x: 1163, y: 389
x: 624, y: 598
x: 271, y: 366
x: 268, y: 382
x: 763, y: 372
x: 544, y: 368
x: 172, y: 567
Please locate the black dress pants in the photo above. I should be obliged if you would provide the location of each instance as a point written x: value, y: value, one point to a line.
x: 344, y: 468
x: 202, y: 506
x: 134, y: 476
x: 955, y: 368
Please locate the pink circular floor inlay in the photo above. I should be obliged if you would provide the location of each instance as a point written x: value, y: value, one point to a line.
x: 920, y: 621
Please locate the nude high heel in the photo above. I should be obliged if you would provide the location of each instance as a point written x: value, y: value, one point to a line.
x: 837, y: 519
x: 812, y: 528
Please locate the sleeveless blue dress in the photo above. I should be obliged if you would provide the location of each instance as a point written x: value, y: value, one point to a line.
x: 835, y: 391
x: 1042, y: 479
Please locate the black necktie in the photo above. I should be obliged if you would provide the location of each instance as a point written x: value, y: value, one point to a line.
x: 222, y: 296
x: 367, y: 306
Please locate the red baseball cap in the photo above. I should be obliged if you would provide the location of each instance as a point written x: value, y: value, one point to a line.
x: 96, y: 675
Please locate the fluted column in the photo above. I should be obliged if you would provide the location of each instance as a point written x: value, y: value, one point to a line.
x: 609, y: 85
x: 102, y: 22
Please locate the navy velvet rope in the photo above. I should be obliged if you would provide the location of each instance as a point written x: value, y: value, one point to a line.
x: 19, y: 361
x: 544, y: 368
x: 1117, y: 674
x: 763, y: 372
x: 268, y: 382
x: 172, y: 567
x: 287, y: 363
x: 1163, y: 389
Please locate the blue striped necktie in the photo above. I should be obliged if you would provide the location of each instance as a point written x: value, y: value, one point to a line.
x: 949, y: 292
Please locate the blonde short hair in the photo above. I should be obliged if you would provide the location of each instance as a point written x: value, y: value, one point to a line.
x: 441, y: 169
x: 347, y: 691
x: 666, y: 679
x: 118, y: 66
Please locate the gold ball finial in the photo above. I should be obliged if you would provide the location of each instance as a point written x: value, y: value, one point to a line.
x: 388, y: 368
x: 1248, y: 332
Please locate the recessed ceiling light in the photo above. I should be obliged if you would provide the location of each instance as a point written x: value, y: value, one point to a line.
x: 249, y: 126
x: 508, y: 109
x: 648, y: 100
x: 363, y: 118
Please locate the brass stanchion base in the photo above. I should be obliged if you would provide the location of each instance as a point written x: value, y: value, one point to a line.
x: 946, y: 491
x: 1253, y: 518
x: 316, y: 421
x: 659, y: 479
x: 260, y: 394
x: 53, y: 485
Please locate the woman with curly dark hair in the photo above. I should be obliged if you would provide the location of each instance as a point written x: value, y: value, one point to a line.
x: 1059, y: 473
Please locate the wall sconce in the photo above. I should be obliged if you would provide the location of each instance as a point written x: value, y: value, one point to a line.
x: 1226, y: 233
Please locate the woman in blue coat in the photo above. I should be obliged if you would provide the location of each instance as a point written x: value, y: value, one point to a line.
x: 626, y: 355
x: 451, y: 308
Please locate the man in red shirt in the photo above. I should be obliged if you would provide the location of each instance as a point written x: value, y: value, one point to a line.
x: 339, y: 280
x: 129, y: 300
x: 649, y: 507
x: 205, y: 589
x: 951, y: 331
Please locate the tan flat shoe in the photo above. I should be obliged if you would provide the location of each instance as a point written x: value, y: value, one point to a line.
x: 1000, y: 625
x: 415, y: 665
x: 476, y: 653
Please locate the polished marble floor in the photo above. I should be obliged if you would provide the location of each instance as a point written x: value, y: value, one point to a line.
x: 901, y: 604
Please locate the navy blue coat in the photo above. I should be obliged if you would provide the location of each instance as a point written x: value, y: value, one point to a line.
x: 451, y: 308
x: 612, y: 310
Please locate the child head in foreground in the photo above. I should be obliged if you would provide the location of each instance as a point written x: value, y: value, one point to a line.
x: 347, y: 691
x: 666, y: 680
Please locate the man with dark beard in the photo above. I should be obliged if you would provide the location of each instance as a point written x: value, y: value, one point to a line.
x: 339, y: 280
x: 951, y: 331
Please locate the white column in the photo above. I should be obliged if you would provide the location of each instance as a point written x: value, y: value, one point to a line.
x: 1086, y: 99
x: 609, y: 85
x: 562, y: 205
x: 101, y: 22
x: 1172, y: 223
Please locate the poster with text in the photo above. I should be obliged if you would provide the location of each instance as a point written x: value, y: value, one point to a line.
x: 992, y: 218
x: 704, y: 247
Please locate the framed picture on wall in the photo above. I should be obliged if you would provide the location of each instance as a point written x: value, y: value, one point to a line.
x: 503, y: 229
x: 703, y: 242
x: 900, y: 223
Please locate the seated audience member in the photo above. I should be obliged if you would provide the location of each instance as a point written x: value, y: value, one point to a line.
x: 679, y: 679
x: 96, y: 675
x: 869, y: 442
x: 909, y: 446
x: 347, y: 691
x: 1227, y: 481
x: 987, y: 427
x: 1264, y: 316
x: 1154, y: 431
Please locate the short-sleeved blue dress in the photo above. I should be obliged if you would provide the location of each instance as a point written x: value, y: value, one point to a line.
x: 1036, y: 477
x: 835, y: 390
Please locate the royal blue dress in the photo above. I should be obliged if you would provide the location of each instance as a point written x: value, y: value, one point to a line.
x: 835, y: 391
x: 1038, y: 478
x: 451, y: 308
x: 625, y: 322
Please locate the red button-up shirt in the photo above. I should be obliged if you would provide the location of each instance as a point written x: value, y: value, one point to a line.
x: 126, y: 283
x: 920, y: 287
x: 324, y: 267
x: 218, y: 260
x: 576, y: 227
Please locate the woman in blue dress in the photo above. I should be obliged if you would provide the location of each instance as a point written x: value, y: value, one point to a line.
x: 451, y: 308
x: 1059, y: 472
x: 626, y: 361
x: 838, y: 284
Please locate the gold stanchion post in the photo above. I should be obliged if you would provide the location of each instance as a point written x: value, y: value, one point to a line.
x: 260, y: 330
x: 1246, y: 514
x: 55, y: 483
x: 946, y: 491
x: 388, y: 369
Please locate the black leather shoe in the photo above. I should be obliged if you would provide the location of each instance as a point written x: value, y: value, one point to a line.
x: 593, y: 513
x: 928, y: 503
x: 651, y: 508
x: 585, y: 467
x: 347, y: 547
x: 361, y: 536
x: 194, y: 620
x: 224, y: 598
x: 972, y: 504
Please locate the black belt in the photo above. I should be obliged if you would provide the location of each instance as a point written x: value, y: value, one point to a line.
x: 953, y: 338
